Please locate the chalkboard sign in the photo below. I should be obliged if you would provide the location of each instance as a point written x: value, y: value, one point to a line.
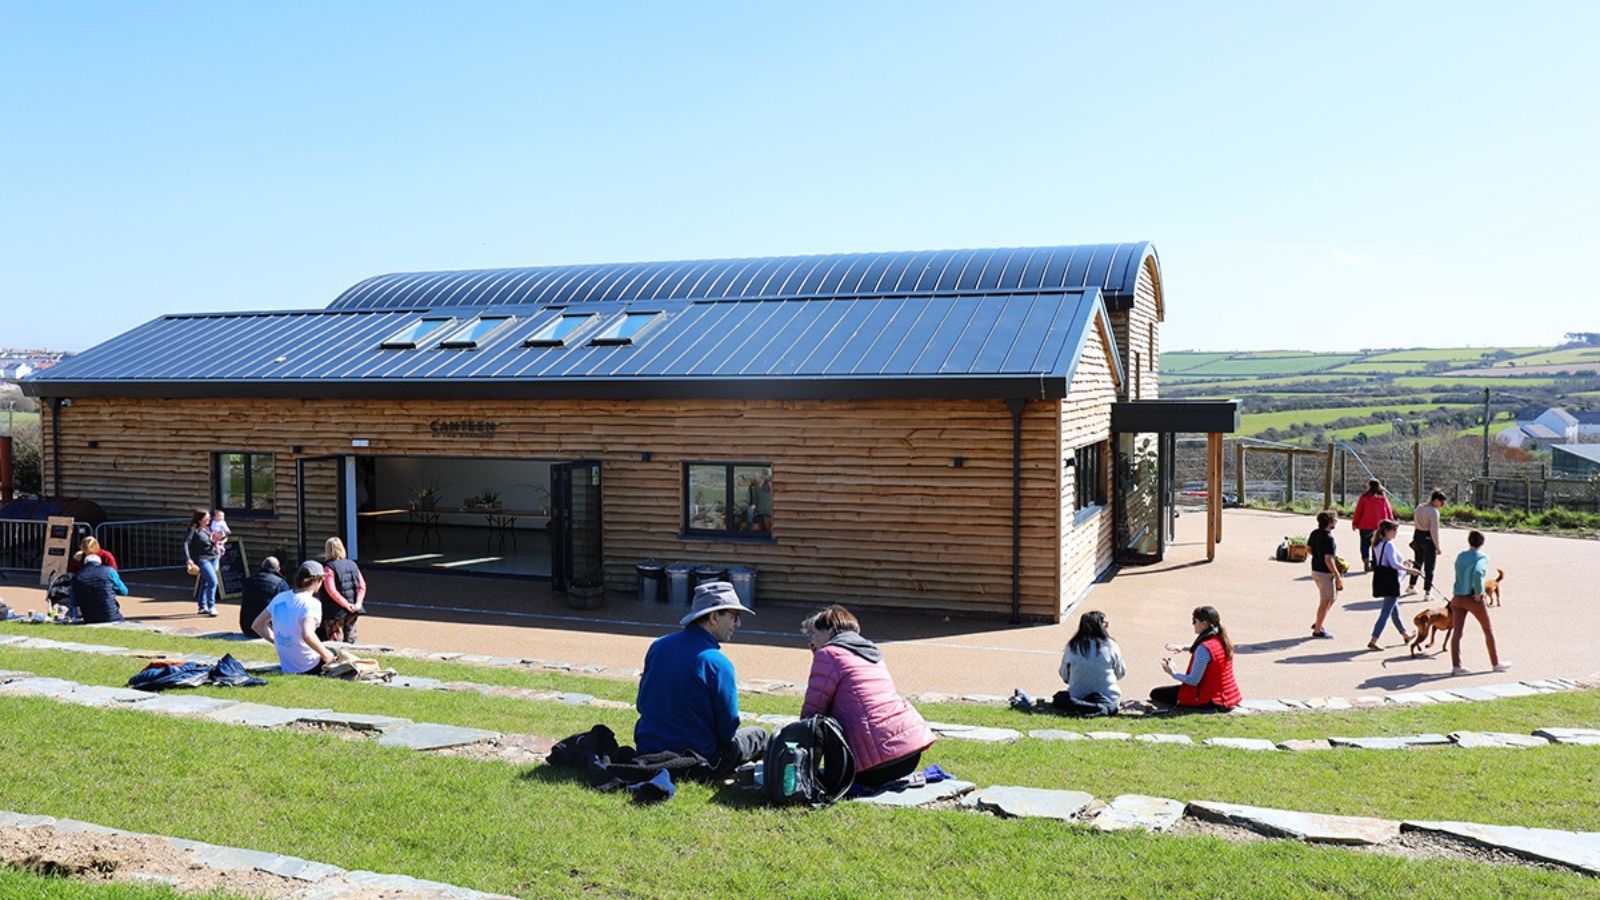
x: 235, y: 569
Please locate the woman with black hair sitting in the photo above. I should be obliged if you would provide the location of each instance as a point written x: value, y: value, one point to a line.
x: 1090, y: 666
x: 1208, y: 681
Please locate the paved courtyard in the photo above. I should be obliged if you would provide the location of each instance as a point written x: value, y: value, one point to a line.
x: 1268, y: 606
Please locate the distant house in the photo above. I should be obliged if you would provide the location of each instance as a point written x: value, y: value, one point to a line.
x: 1588, y: 424
x: 15, y: 371
x: 1535, y: 429
x: 1575, y: 460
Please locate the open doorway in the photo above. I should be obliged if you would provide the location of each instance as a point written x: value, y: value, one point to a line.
x: 465, y: 515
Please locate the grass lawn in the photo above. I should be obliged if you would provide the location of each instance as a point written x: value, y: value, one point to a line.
x: 17, y: 883
x: 535, y: 832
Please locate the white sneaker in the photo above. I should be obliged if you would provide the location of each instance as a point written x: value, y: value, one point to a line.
x: 1502, y: 667
x: 1459, y: 671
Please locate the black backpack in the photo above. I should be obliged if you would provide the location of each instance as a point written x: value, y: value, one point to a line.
x: 59, y: 593
x: 808, y: 762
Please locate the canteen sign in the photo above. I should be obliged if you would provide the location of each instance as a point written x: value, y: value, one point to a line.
x: 460, y: 428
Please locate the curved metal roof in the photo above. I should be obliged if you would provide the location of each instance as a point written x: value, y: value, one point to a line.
x: 1113, y: 268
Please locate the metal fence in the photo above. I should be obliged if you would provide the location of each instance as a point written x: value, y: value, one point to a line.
x: 138, y: 544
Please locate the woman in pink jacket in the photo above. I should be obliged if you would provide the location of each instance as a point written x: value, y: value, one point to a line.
x: 850, y: 683
x: 1372, y: 508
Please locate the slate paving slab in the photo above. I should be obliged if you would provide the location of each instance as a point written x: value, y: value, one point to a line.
x: 1511, y: 689
x: 356, y: 721
x: 1444, y: 697
x: 185, y: 704
x: 1580, y: 736
x: 1418, y: 698
x: 1130, y: 811
x: 104, y: 697
x: 1165, y: 739
x: 1402, y: 742
x: 1311, y: 827
x: 6, y: 677
x: 1473, y: 693
x: 1108, y: 735
x: 975, y: 733
x: 1576, y: 849
x: 1055, y: 734
x: 415, y: 682
x: 1264, y: 705
x: 1473, y: 740
x: 429, y: 736
x: 261, y: 715
x: 1303, y: 745
x: 1033, y: 803
x: 260, y: 667
x: 920, y: 796
x: 38, y: 687
x: 572, y: 698
x: 1235, y: 743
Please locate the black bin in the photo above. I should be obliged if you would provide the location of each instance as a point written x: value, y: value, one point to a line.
x: 652, y: 581
x: 705, y: 574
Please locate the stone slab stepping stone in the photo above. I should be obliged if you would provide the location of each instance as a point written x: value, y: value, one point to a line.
x: 185, y: 704
x: 406, y: 886
x: 1302, y: 745
x: 1166, y: 739
x: 8, y: 677
x: 102, y: 697
x: 1032, y: 803
x: 1234, y: 743
x: 1108, y: 735
x: 260, y: 715
x: 261, y: 666
x: 1474, y: 693
x: 38, y: 687
x: 920, y: 796
x: 1138, y: 811
x: 1402, y: 742
x: 1473, y: 740
x: 1580, y: 736
x: 415, y: 682
x: 1444, y: 697
x: 984, y: 698
x: 471, y: 687
x: 1055, y: 734
x: 356, y: 721
x: 1264, y: 705
x: 1413, y: 697
x: 590, y: 669
x: 577, y: 699
x: 975, y: 733
x: 11, y: 639
x: 236, y: 859
x: 428, y: 736
x: 1578, y: 849
x: 1312, y: 827
x: 1511, y: 689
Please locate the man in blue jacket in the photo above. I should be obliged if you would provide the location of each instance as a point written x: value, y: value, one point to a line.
x: 688, y: 695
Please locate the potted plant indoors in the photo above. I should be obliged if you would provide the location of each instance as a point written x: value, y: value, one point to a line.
x: 425, y: 496
x: 587, y: 590
x: 486, y: 500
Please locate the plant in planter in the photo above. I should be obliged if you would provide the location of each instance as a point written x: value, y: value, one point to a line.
x: 487, y: 499
x: 426, y: 494
x: 587, y: 589
x: 1299, y: 549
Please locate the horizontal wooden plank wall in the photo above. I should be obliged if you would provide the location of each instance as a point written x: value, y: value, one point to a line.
x: 1138, y: 332
x: 869, y: 505
x: 1086, y: 546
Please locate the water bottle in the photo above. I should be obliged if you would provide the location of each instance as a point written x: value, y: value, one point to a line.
x: 790, y: 774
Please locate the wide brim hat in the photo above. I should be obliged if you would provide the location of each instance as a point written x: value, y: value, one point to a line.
x: 714, y: 596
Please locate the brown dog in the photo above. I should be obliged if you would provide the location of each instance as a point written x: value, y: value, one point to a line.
x: 1430, y: 623
x: 1491, y: 588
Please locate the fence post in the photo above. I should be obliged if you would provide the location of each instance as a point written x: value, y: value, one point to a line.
x: 1327, y: 480
x: 1288, y: 486
x: 1416, y: 473
x: 1344, y: 489
x: 1527, y: 495
x: 1238, y: 471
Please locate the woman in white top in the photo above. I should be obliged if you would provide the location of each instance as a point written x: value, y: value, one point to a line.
x: 1386, y: 569
x: 1090, y: 666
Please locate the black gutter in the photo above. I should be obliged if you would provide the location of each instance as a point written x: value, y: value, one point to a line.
x: 1016, y: 407
x: 938, y: 387
x: 56, y: 405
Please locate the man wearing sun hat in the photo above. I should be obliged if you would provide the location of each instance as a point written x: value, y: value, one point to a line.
x: 688, y: 695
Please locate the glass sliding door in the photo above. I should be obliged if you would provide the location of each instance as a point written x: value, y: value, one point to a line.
x: 575, y: 531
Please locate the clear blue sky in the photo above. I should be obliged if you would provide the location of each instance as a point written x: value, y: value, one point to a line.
x: 1314, y: 176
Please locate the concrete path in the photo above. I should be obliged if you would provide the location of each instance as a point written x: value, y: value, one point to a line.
x: 1267, y: 605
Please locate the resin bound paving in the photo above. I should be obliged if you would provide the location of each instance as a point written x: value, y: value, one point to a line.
x: 1267, y: 605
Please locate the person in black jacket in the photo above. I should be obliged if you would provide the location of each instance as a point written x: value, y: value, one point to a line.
x: 259, y: 589
x: 95, y: 590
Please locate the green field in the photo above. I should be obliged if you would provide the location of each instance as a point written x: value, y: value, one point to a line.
x: 1555, y: 358
x: 17, y: 419
x: 1182, y: 361
x: 1259, y: 422
x: 1367, y: 367
x: 1273, y: 365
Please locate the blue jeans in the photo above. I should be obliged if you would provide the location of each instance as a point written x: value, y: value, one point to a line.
x: 1391, y: 610
x: 207, y: 597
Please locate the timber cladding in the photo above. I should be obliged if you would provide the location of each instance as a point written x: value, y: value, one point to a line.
x: 869, y: 504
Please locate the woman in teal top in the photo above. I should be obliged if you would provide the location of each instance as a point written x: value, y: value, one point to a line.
x: 1472, y: 567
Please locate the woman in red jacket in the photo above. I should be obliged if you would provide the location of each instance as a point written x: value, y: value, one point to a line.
x: 1208, y: 682
x: 850, y: 683
x: 1372, y: 508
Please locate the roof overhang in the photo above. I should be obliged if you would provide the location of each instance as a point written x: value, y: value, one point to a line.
x: 1017, y: 387
x: 1175, y: 416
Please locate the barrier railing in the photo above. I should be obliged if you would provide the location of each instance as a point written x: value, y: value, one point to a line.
x: 22, y: 543
x: 144, y: 544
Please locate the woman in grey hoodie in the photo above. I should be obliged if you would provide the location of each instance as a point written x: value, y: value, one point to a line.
x: 1090, y: 666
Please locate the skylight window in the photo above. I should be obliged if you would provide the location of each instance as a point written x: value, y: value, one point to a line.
x: 556, y: 332
x: 417, y: 332
x: 475, y: 332
x: 625, y: 329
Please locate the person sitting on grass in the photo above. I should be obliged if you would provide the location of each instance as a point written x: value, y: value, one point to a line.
x: 688, y: 696
x: 1091, y: 665
x: 95, y: 590
x: 1208, y: 682
x: 259, y: 590
x: 849, y: 682
x: 290, y: 623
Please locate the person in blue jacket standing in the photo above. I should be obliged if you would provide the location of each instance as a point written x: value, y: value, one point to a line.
x: 688, y: 695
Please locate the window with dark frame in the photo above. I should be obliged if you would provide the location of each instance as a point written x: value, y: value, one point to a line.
x: 727, y: 499
x: 1089, y: 484
x: 243, y: 483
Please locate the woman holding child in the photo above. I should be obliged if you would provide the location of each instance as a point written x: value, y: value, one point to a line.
x: 849, y: 682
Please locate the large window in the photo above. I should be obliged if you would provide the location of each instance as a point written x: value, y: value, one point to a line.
x: 243, y: 482
x: 1088, y: 465
x: 727, y: 499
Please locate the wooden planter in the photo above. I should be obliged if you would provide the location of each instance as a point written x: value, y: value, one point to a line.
x: 1299, y: 552
x: 586, y: 597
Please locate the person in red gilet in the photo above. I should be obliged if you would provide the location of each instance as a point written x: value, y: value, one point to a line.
x: 1208, y: 682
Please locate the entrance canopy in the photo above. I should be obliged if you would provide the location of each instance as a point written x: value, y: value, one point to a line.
x: 1143, y: 434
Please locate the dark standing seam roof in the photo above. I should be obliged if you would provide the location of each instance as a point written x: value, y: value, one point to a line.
x: 971, y: 323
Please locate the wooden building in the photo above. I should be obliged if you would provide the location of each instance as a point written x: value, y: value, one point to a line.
x: 928, y: 430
